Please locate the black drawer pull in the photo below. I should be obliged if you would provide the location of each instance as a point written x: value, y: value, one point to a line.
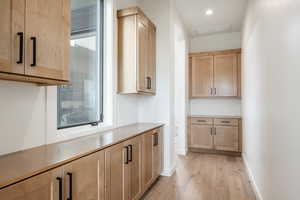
x: 130, y: 153
x: 155, y: 143
x: 60, y: 187
x: 201, y: 120
x: 70, y: 185
x: 21, y: 35
x: 33, y: 51
x: 127, y: 155
x: 226, y: 122
x: 149, y: 84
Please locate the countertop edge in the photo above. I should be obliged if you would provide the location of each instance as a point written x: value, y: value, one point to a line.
x: 218, y: 116
x: 24, y: 177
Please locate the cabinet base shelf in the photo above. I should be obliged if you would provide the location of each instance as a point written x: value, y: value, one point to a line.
x: 211, y: 151
x: 31, y: 79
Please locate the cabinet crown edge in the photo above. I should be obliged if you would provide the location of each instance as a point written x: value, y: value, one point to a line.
x: 215, y: 53
x: 134, y: 11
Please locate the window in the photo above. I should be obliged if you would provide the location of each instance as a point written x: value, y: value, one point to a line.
x: 82, y: 102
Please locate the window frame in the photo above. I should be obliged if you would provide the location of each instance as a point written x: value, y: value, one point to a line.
x: 100, y: 32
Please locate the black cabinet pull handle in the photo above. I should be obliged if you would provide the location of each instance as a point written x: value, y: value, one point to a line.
x: 70, y: 185
x: 149, y: 86
x: 21, y: 35
x: 33, y: 51
x: 127, y: 155
x: 60, y: 188
x: 155, y: 139
x: 226, y: 122
x: 130, y: 154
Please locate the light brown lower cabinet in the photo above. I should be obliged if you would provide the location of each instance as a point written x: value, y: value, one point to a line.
x: 123, y: 170
x: 134, y: 172
x: 115, y: 173
x: 44, y: 186
x: 221, y: 134
x: 157, y: 153
x: 84, y: 178
x: 80, y: 179
x: 116, y: 170
x: 226, y: 138
x: 201, y: 136
x: 152, y: 157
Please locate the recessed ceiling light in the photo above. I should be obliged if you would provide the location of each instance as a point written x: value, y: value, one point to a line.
x: 209, y: 12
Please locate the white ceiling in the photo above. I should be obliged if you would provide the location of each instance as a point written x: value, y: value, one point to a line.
x: 228, y: 16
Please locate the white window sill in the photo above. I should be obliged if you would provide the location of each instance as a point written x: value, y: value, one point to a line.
x: 72, y: 133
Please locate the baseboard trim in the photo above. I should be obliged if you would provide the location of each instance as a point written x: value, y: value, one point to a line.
x: 168, y: 172
x: 251, y: 178
x: 211, y: 151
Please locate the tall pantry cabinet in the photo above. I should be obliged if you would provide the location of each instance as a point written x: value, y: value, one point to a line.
x: 136, y: 53
x: 34, y: 41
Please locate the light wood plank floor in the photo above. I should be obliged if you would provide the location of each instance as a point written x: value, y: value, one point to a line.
x: 204, y: 177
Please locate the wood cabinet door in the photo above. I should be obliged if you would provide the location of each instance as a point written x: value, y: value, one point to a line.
x: 44, y: 186
x: 151, y: 67
x: 135, y: 167
x: 142, y: 55
x: 226, y: 75
x: 157, y: 153
x: 226, y: 138
x: 202, y: 76
x: 47, y: 38
x: 201, y: 136
x: 116, y: 173
x: 147, y: 159
x: 84, y: 178
x: 12, y: 36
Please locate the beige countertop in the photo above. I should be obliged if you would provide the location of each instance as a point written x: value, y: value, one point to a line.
x: 218, y: 116
x: 20, y: 165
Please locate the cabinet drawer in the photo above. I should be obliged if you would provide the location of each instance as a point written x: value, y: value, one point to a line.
x: 201, y: 120
x: 226, y: 122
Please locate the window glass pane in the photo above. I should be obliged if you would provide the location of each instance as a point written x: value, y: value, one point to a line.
x: 81, y: 102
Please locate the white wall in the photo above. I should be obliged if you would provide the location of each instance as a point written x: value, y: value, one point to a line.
x: 225, y: 106
x: 23, y: 110
x: 270, y: 97
x: 215, y: 107
x: 181, y: 107
x: 22, y: 116
x: 221, y: 41
x: 159, y: 108
x: 25, y: 123
x: 127, y: 109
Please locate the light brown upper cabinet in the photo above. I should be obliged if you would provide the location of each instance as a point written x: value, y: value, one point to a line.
x: 202, y: 70
x: 136, y: 53
x: 215, y: 74
x: 39, y: 54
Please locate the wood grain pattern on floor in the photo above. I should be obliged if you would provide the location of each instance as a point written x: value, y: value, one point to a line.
x: 204, y: 177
